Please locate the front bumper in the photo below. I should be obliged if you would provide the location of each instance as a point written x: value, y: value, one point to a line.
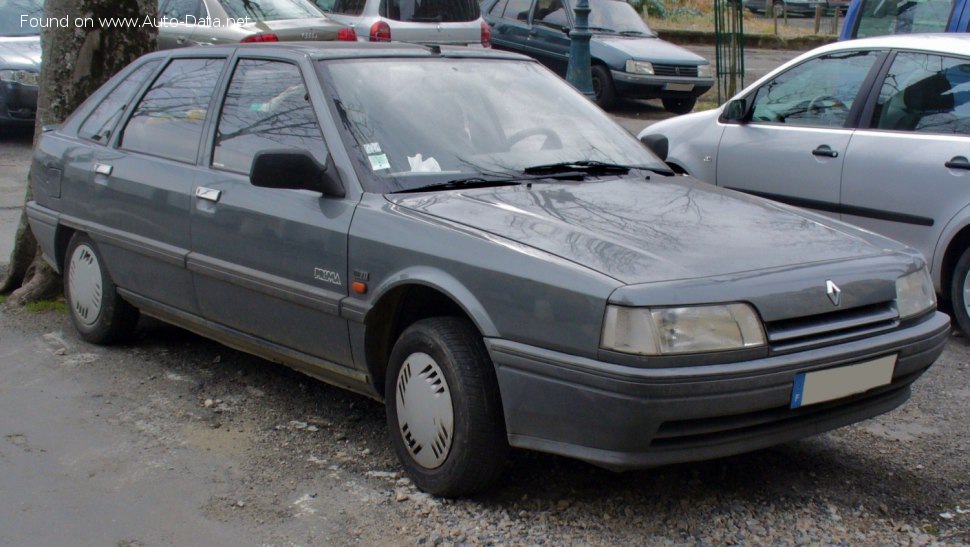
x: 18, y: 104
x: 624, y: 417
x: 643, y: 86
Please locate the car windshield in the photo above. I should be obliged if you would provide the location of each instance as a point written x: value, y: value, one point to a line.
x: 270, y: 10
x: 412, y: 123
x: 16, y: 15
x: 614, y: 16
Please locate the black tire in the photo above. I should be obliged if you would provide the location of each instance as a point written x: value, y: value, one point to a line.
x: 604, y: 93
x: 958, y: 298
x: 679, y: 106
x: 98, y: 313
x: 473, y: 455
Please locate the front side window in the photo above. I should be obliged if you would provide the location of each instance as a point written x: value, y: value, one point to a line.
x: 819, y: 92
x: 430, y: 11
x: 880, y: 17
x: 550, y: 13
x: 925, y: 93
x: 615, y: 16
x: 101, y: 122
x: 168, y: 121
x: 517, y: 10
x: 266, y: 108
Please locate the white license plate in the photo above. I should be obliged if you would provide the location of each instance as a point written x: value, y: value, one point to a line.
x: 834, y: 383
x: 679, y: 87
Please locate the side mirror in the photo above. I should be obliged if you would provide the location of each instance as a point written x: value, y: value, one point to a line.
x: 658, y: 144
x: 295, y: 170
x: 736, y: 111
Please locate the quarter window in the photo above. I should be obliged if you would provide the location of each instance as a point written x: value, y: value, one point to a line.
x: 819, y: 92
x: 925, y: 93
x: 266, y: 108
x: 169, y: 119
x: 102, y: 121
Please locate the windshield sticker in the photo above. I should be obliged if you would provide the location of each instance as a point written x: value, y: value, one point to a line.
x: 372, y: 148
x: 378, y: 162
x: 419, y: 165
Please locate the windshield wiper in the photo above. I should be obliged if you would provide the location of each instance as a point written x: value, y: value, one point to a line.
x: 634, y: 33
x: 471, y: 182
x: 590, y: 167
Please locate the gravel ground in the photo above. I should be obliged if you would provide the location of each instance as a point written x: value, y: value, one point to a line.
x: 300, y: 462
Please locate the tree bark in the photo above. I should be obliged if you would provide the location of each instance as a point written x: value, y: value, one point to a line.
x: 77, y: 60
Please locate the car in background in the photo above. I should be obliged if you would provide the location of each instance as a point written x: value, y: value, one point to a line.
x: 629, y: 60
x: 794, y: 7
x: 867, y: 18
x: 459, y: 233
x: 875, y: 132
x: 217, y: 22
x: 19, y: 61
x: 453, y: 22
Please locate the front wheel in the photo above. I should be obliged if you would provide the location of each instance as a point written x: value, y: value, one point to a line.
x: 99, y: 314
x: 679, y: 106
x: 604, y: 93
x: 960, y: 292
x: 444, y: 413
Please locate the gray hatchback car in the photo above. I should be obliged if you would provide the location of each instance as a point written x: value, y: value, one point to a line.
x: 501, y: 273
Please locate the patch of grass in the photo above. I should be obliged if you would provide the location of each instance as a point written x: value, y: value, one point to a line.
x: 3, y: 299
x: 931, y: 529
x: 753, y: 24
x: 41, y: 306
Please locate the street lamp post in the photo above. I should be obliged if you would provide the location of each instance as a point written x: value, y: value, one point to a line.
x: 578, y: 71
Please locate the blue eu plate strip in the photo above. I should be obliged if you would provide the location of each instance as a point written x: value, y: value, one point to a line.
x: 797, y: 390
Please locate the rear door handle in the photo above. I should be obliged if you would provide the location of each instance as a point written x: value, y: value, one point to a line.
x: 180, y: 40
x: 208, y: 194
x: 105, y: 169
x: 958, y: 162
x: 825, y: 151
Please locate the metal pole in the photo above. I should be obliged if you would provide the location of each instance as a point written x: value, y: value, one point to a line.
x: 578, y: 71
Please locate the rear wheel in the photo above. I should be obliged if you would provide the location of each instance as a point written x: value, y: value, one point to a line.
x: 98, y: 313
x: 960, y: 292
x: 679, y: 106
x: 444, y: 413
x: 604, y: 93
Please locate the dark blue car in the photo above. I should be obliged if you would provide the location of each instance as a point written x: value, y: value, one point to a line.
x: 629, y: 60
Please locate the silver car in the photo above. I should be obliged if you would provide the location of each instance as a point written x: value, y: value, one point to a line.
x: 875, y: 132
x: 456, y: 22
x: 185, y: 23
x: 503, y: 269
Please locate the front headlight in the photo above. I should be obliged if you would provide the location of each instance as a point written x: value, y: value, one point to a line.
x: 23, y: 77
x: 704, y: 71
x: 695, y: 329
x: 639, y: 67
x: 914, y: 293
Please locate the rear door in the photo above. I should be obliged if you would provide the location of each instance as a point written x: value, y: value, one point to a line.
x: 794, y: 146
x: 510, y: 25
x: 433, y: 21
x: 180, y: 21
x: 271, y: 263
x: 908, y: 173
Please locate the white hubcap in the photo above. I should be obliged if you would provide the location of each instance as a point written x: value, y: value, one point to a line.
x: 85, y: 283
x: 425, y: 416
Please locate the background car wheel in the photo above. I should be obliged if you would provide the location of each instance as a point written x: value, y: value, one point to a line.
x: 960, y: 292
x: 604, y: 94
x: 444, y: 413
x: 679, y: 106
x: 98, y: 313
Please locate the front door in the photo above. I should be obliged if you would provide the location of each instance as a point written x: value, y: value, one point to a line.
x: 268, y: 262
x: 795, y: 143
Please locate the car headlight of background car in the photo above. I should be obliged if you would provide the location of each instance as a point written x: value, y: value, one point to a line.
x: 705, y: 71
x: 694, y: 329
x: 915, y: 294
x: 23, y: 77
x: 639, y: 67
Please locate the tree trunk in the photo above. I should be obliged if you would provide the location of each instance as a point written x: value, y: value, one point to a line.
x: 77, y: 60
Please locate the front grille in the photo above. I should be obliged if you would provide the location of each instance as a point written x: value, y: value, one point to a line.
x: 675, y: 70
x: 804, y: 333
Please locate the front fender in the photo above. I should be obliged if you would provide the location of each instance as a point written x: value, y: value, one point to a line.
x: 957, y: 224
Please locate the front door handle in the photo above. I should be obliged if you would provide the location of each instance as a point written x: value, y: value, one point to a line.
x: 958, y: 162
x: 208, y: 194
x: 105, y: 169
x: 180, y: 40
x: 825, y: 151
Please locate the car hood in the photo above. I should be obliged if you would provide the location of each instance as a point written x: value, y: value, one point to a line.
x: 20, y: 52
x: 646, y: 48
x: 638, y: 231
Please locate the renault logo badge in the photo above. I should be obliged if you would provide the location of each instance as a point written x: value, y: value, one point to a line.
x: 834, y: 292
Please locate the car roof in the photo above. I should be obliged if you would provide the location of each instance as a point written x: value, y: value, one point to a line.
x: 950, y: 43
x: 348, y: 50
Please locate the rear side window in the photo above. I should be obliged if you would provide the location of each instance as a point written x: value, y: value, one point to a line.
x: 102, y: 121
x: 881, y: 17
x: 430, y: 11
x: 343, y: 7
x: 925, y: 93
x: 169, y: 119
x: 266, y: 108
